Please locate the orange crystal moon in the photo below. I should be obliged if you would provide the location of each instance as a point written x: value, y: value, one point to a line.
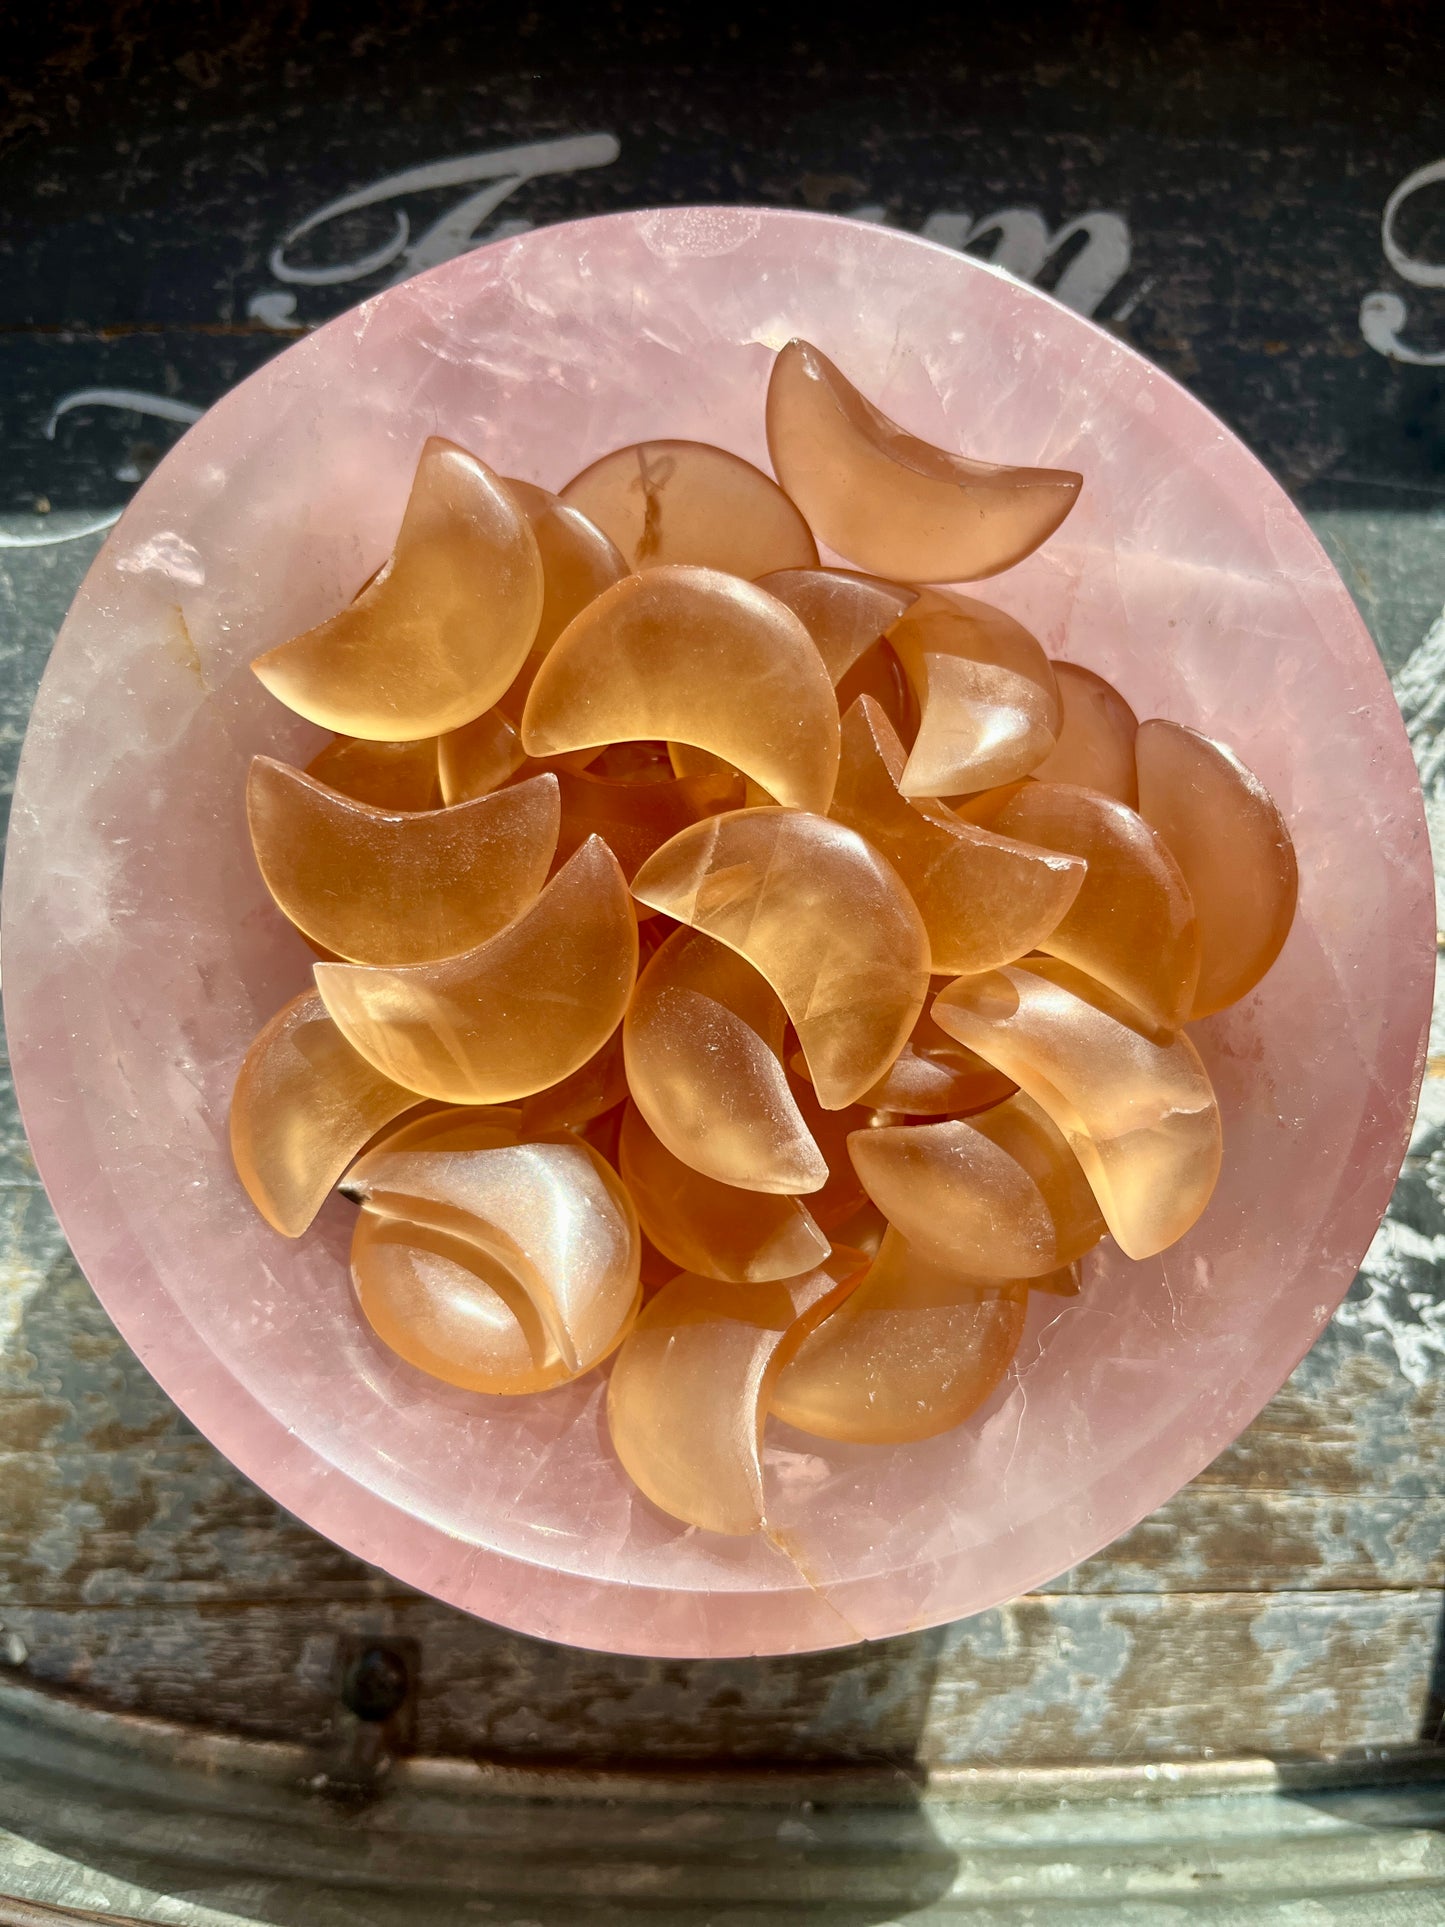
x: 391, y: 887
x: 449, y: 1308
x: 1096, y: 738
x: 443, y: 629
x: 479, y: 757
x: 635, y: 818
x: 304, y: 1104
x: 552, y: 1213
x: 702, y: 1041
x: 693, y: 656
x: 821, y: 915
x: 891, y: 503
x: 578, y: 563
x: 715, y: 1229
x: 676, y: 501
x: 518, y: 1013
x: 842, y: 1193
x: 689, y: 1391
x: 988, y: 699
x: 935, y: 1076
x: 573, y: 1102
x: 984, y: 899
x: 958, y: 1197
x: 389, y: 776
x: 845, y: 614
x: 913, y: 1350
x: 1132, y: 924
x: 1139, y: 1115
x: 1227, y: 836
x: 1029, y: 1135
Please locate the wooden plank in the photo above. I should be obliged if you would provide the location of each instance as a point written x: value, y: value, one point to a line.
x: 1062, y: 1679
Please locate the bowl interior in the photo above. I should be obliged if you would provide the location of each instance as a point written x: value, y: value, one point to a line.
x: 142, y: 953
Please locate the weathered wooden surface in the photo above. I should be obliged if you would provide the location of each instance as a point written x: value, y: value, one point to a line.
x: 1289, y: 1601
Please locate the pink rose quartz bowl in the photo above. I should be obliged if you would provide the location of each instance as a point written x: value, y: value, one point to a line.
x: 142, y: 953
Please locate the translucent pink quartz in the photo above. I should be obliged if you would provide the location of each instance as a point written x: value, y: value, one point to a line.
x: 1139, y: 1115
x: 823, y: 917
x: 988, y: 700
x: 304, y: 1104
x: 551, y: 1213
x: 716, y: 1229
x: 677, y: 501
x: 399, y: 887
x: 914, y: 1349
x: 141, y: 954
x: 1096, y: 741
x: 389, y: 776
x: 690, y: 1388
x: 984, y: 899
x: 703, y: 1040
x: 693, y: 656
x: 963, y: 1198
x: 845, y: 614
x: 519, y: 1012
x: 1132, y: 925
x: 1230, y: 841
x: 578, y: 563
x: 439, y: 634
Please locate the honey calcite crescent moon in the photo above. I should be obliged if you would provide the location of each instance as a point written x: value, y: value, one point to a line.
x: 1139, y: 1115
x: 578, y: 563
x: 393, y: 887
x: 845, y: 614
x: 1230, y: 841
x: 635, y: 818
x: 552, y: 1213
x: 988, y: 698
x: 304, y: 1104
x: 691, y: 655
x: 1096, y: 737
x: 1132, y: 924
x: 1030, y: 1136
x: 573, y: 1102
x: 389, y: 776
x: 825, y: 919
x: 689, y: 1391
x: 439, y: 634
x: 984, y: 899
x: 518, y: 1013
x: 678, y: 501
x: 703, y: 1039
x: 893, y: 504
x: 934, y: 1076
x: 450, y: 1308
x: 913, y: 1350
x: 958, y: 1197
x: 479, y: 757
x: 716, y: 1229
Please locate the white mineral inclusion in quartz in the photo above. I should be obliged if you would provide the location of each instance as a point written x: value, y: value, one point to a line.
x: 141, y: 953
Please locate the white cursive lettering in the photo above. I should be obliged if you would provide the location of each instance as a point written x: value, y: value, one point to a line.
x: 1383, y: 315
